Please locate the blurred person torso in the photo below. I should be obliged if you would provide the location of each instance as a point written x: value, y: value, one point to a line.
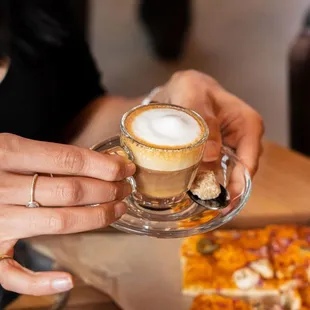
x: 51, y: 75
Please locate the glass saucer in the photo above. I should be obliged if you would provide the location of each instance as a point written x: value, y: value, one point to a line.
x: 187, y: 218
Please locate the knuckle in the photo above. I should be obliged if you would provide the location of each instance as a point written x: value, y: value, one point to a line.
x: 5, y: 232
x: 113, y: 192
x: 70, y: 191
x: 35, y: 287
x: 4, y: 191
x: 186, y: 75
x: 190, y: 73
x: 57, y: 223
x: 194, y: 78
x: 8, y: 143
x: 7, y: 138
x: 115, y: 170
x: 72, y: 161
x: 5, y: 267
x: 260, y: 123
x: 103, y: 217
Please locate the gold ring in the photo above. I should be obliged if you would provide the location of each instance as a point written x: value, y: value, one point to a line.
x: 32, y: 203
x: 4, y: 256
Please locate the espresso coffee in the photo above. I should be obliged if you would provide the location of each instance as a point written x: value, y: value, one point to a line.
x: 167, y: 144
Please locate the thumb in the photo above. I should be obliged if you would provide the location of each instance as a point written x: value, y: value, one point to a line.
x: 14, y: 277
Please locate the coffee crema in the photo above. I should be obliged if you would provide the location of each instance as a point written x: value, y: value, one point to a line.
x: 168, y: 127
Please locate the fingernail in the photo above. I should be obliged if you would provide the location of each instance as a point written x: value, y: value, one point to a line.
x: 131, y: 169
x: 62, y: 285
x: 120, y: 209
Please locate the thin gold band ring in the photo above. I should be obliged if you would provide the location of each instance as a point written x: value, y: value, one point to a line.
x: 4, y: 256
x: 32, y: 203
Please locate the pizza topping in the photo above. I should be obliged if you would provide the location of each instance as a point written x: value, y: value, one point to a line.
x: 230, y: 257
x: 262, y: 252
x: 290, y: 285
x: 275, y: 247
x: 305, y: 248
x: 292, y: 300
x: 263, y: 267
x: 206, y: 246
x: 227, y: 234
x: 205, y: 185
x: 284, y: 242
x: 246, y: 278
x: 308, y: 273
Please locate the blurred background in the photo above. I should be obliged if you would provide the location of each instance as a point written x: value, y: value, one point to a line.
x: 243, y: 44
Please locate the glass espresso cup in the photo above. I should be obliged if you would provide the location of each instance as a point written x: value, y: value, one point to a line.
x: 166, y: 154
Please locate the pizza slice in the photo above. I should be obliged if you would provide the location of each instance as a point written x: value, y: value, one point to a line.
x: 290, y: 254
x: 206, y: 276
x: 234, y: 263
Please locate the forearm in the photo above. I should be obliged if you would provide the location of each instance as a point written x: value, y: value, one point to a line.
x: 100, y: 120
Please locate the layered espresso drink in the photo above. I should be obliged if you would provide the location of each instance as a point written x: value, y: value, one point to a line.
x: 167, y: 144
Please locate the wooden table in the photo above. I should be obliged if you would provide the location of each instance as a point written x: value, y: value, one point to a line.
x: 280, y: 190
x: 280, y: 195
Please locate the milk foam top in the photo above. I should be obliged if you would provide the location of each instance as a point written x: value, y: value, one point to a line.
x: 165, y: 137
x: 166, y: 127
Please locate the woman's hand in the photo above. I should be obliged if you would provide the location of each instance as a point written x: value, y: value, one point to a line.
x: 230, y: 120
x: 81, y: 177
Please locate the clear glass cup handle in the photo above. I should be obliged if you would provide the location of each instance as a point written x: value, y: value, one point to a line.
x: 113, y: 146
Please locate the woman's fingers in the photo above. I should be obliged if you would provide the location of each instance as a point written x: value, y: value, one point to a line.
x: 61, y: 191
x: 249, y: 150
x: 242, y: 128
x: 51, y: 221
x: 13, y: 277
x: 23, y: 155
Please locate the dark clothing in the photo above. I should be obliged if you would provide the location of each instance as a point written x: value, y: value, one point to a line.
x: 38, y: 99
x: 42, y: 93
